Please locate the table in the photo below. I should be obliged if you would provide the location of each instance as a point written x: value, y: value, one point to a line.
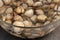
x: 55, y: 35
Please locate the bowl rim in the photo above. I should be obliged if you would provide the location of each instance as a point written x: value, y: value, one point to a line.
x: 24, y: 26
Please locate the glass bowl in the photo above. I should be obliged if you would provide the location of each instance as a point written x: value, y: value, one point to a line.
x: 30, y: 32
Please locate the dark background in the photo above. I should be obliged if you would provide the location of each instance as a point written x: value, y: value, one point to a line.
x: 55, y: 35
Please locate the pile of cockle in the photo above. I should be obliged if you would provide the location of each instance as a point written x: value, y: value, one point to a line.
x: 29, y: 13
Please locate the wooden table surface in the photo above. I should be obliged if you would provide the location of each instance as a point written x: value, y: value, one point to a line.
x: 55, y: 35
